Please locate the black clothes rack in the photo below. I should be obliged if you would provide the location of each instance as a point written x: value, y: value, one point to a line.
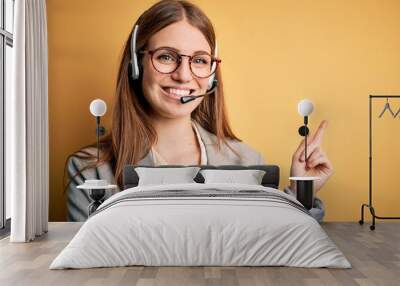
x: 369, y: 205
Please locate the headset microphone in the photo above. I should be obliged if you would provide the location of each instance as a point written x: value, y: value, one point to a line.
x: 189, y: 98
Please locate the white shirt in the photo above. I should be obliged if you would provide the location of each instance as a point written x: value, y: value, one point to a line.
x: 158, y: 160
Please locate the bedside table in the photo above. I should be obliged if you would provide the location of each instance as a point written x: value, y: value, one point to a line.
x: 97, y: 190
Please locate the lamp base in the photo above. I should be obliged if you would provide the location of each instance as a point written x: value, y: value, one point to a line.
x: 97, y: 196
x: 305, y: 193
x: 305, y: 190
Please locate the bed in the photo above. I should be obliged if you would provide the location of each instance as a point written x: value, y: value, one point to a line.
x: 201, y: 223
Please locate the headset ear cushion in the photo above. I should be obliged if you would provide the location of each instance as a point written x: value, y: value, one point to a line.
x: 135, y: 67
x: 211, y: 82
x: 214, y: 65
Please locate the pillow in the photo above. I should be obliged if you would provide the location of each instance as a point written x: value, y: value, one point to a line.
x: 249, y: 177
x: 162, y: 176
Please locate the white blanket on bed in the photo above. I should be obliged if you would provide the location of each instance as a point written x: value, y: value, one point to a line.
x: 201, y: 224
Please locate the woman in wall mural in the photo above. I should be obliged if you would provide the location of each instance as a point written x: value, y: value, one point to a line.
x: 176, y: 52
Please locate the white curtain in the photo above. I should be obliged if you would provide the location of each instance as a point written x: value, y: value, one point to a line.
x: 27, y: 158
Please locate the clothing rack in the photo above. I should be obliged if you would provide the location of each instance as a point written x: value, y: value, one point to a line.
x: 370, y: 205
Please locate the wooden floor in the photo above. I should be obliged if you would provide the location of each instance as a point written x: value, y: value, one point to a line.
x: 374, y: 255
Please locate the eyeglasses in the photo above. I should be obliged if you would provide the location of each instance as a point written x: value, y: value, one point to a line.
x: 166, y: 61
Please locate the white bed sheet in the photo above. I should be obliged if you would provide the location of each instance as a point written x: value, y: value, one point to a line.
x: 189, y: 231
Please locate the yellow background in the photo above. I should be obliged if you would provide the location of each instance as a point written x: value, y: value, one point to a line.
x: 274, y: 53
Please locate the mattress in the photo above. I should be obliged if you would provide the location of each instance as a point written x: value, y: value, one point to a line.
x: 201, y: 225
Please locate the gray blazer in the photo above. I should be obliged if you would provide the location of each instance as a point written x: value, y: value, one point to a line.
x: 78, y: 200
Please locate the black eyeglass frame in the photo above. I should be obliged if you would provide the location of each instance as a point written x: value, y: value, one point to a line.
x: 215, y: 60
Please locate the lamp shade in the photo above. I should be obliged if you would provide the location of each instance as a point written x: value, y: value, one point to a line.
x: 98, y: 107
x: 305, y: 107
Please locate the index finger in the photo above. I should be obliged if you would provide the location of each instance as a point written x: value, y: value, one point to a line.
x: 317, y: 138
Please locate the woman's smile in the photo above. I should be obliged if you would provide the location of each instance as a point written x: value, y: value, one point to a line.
x: 176, y: 93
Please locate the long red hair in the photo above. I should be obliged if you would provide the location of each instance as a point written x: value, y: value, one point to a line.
x: 132, y: 134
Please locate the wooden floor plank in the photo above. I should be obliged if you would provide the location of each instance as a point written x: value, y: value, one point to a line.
x: 374, y: 255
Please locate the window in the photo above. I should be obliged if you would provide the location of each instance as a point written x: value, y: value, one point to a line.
x: 6, y: 63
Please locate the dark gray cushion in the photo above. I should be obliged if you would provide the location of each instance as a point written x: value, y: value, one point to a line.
x: 271, y: 178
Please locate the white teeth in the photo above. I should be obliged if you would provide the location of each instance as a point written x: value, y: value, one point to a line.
x: 174, y: 91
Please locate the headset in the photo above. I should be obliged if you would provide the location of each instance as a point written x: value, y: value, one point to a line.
x: 134, y: 59
x: 212, y: 82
